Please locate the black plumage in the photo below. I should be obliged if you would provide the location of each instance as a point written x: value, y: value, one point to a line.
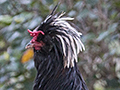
x: 56, y: 46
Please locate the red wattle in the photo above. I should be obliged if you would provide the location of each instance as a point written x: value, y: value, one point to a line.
x: 35, y: 34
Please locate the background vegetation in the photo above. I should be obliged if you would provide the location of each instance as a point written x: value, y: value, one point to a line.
x: 98, y: 20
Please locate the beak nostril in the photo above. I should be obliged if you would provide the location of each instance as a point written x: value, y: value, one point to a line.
x: 29, y: 45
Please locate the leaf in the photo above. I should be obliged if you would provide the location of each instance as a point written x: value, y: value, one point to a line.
x: 83, y: 13
x: 4, y: 56
x: 6, y: 19
x: 110, y: 30
x: 92, y: 2
x: 28, y: 54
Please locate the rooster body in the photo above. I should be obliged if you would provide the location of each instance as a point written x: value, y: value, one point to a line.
x: 52, y: 75
x: 56, y: 45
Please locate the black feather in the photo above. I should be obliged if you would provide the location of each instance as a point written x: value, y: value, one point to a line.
x: 56, y: 60
x: 55, y: 8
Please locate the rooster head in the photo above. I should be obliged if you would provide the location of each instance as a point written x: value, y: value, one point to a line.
x: 56, y: 35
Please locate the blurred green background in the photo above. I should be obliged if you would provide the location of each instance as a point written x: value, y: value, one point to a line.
x: 98, y: 20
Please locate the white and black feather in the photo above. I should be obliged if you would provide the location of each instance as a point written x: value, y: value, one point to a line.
x: 69, y: 37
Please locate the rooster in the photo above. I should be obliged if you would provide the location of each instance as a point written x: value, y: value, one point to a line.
x: 56, y: 44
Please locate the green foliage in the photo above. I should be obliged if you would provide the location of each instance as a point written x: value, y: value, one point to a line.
x: 98, y: 20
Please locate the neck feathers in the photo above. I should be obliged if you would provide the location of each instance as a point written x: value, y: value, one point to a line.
x: 51, y: 75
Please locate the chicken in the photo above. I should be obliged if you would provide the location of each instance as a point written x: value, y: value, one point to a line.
x: 56, y: 44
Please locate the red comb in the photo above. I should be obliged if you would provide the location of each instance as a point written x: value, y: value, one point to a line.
x: 35, y: 33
